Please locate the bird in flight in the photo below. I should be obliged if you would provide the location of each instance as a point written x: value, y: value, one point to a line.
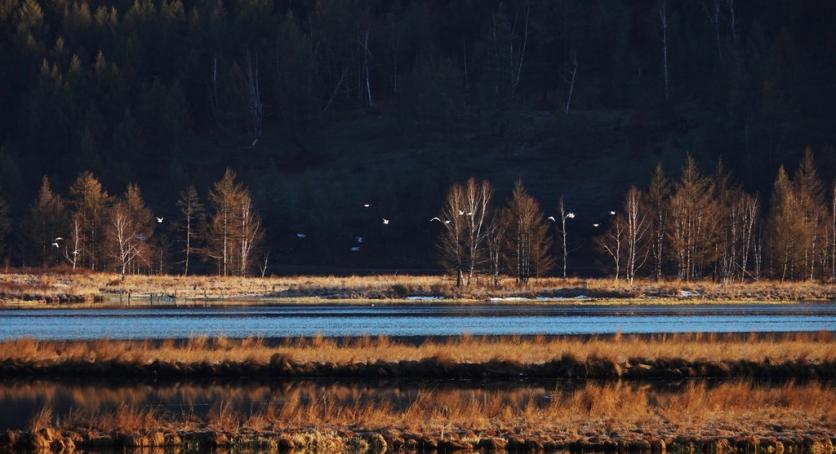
x: 301, y: 236
x: 58, y: 238
x: 595, y: 225
x: 359, y: 240
x: 551, y: 218
x: 570, y: 215
x: 461, y: 212
x: 55, y: 245
x: 367, y: 205
x: 435, y: 219
x: 355, y: 249
x: 612, y: 213
x: 160, y: 220
x: 385, y: 221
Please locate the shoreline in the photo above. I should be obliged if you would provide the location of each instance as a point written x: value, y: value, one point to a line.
x: 87, y: 290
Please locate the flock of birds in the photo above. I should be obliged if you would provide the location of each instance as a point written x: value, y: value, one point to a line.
x: 358, y: 240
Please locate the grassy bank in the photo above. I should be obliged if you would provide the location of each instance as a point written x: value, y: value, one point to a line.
x: 778, y: 356
x: 36, y: 289
x: 698, y: 417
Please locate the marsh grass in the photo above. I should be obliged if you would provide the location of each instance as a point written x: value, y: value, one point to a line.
x: 47, y: 286
x: 762, y: 348
x: 693, y: 409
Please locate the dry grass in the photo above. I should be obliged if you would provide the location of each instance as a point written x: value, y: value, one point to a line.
x: 775, y: 348
x: 48, y: 287
x: 614, y: 411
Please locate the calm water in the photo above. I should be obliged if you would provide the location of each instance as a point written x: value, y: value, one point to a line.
x: 411, y: 320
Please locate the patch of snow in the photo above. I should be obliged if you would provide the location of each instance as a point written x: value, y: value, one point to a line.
x: 688, y: 294
x: 423, y: 298
x: 563, y: 298
x: 509, y: 298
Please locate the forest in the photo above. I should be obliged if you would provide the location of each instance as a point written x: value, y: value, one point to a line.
x: 320, y: 108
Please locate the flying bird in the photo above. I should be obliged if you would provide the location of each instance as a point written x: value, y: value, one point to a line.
x: 355, y: 249
x: 55, y: 245
x: 447, y: 221
x: 461, y: 212
x: 385, y: 221
x: 58, y: 238
x: 301, y: 236
x: 595, y: 225
x: 160, y: 220
x: 435, y: 219
x: 367, y: 205
x: 570, y: 215
x: 551, y: 218
x: 612, y: 213
x: 359, y: 240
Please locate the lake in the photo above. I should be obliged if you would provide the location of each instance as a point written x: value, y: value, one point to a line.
x: 290, y: 320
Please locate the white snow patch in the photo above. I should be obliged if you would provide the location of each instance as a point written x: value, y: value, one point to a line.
x: 423, y: 298
x: 688, y: 294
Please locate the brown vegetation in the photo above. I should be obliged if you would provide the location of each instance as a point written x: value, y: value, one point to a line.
x: 35, y: 286
x: 779, y: 356
x: 345, y: 418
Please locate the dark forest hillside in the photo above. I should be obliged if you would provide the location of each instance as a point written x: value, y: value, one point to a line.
x: 323, y: 106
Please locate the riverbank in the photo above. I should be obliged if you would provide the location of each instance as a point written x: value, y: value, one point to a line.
x: 764, y: 356
x: 84, y: 289
x: 588, y: 417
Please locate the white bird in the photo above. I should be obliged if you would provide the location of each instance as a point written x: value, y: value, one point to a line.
x: 75, y: 252
x: 447, y: 222
x: 367, y: 205
x: 470, y: 213
x: 551, y: 218
x: 435, y: 219
x: 58, y: 238
x: 570, y: 215
x: 301, y: 236
x: 355, y: 249
x: 55, y: 245
x: 385, y: 221
x: 160, y: 220
x: 359, y: 240
x: 461, y: 212
x: 595, y: 225
x: 612, y: 213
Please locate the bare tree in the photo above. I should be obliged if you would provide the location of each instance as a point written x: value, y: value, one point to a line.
x: 255, y: 107
x: 569, y: 75
x: 73, y: 255
x: 250, y: 233
x: 663, y: 25
x: 495, y: 241
x: 193, y: 217
x: 612, y: 241
x: 450, y: 243
x: 477, y: 200
x: 658, y: 195
x: 564, y: 215
x: 833, y: 233
x: 636, y: 230
x: 124, y: 236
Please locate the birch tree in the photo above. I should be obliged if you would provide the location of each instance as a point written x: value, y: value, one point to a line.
x: 636, y: 231
x: 612, y: 242
x: 477, y: 200
x: 222, y: 227
x: 450, y: 244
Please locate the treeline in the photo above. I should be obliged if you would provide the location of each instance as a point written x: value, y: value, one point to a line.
x: 104, y: 84
x: 89, y: 228
x: 699, y: 226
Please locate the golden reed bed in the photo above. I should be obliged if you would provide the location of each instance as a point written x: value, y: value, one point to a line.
x: 760, y: 356
x: 44, y: 287
x: 340, y: 418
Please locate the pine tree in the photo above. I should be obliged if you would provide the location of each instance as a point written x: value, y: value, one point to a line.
x: 809, y: 192
x: 528, y: 240
x: 89, y: 201
x: 47, y: 223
